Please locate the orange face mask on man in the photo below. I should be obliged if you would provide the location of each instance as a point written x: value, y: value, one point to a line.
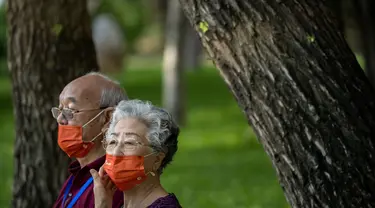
x: 126, y: 171
x: 70, y: 139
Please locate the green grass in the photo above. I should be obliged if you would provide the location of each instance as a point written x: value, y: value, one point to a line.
x: 6, y: 142
x: 219, y: 162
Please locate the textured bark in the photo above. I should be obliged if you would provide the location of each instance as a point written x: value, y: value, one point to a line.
x: 192, y: 47
x: 365, y: 16
x: 302, y: 91
x: 337, y: 7
x: 49, y: 45
x: 173, y: 85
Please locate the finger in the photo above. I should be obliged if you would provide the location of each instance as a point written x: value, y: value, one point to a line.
x: 101, y: 172
x: 95, y: 175
x: 111, y: 186
x: 108, y: 184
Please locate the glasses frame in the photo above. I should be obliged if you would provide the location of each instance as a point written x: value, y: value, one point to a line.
x: 61, y: 111
x: 139, y: 144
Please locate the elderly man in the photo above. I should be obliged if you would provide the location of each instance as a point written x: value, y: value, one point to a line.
x: 83, y: 114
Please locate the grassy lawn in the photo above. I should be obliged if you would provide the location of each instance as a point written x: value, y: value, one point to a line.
x: 219, y: 162
x: 6, y: 142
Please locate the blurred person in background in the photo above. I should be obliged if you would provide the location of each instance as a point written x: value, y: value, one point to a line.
x: 85, y: 109
x: 140, y: 142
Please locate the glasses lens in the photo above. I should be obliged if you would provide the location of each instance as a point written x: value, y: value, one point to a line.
x: 130, y: 145
x: 110, y: 144
x: 67, y: 113
x: 104, y: 144
x: 55, y: 112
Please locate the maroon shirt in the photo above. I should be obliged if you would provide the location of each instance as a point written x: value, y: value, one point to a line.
x: 169, y: 201
x: 87, y: 199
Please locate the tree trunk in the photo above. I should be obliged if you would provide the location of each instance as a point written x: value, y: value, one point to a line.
x: 49, y: 45
x: 173, y: 85
x: 109, y: 43
x: 162, y: 9
x: 337, y: 7
x: 302, y: 91
x: 192, y: 47
x: 365, y: 16
x: 93, y: 6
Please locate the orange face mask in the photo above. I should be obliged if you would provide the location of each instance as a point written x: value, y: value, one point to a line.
x: 70, y: 140
x: 126, y: 172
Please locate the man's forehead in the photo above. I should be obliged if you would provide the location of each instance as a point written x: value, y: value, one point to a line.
x: 80, y: 94
x: 70, y: 99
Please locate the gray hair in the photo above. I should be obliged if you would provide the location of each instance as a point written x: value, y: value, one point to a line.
x: 111, y: 96
x: 162, y: 129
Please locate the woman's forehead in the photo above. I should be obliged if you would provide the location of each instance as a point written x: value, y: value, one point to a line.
x: 130, y: 136
x: 131, y: 128
x: 130, y: 125
x: 126, y: 135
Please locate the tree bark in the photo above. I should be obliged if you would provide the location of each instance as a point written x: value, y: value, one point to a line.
x: 173, y: 85
x: 49, y: 45
x: 337, y: 7
x: 303, y: 92
x: 365, y: 16
x: 192, y: 48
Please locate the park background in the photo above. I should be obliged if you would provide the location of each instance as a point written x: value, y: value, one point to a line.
x: 219, y: 163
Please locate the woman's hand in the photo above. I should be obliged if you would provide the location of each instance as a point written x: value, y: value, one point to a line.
x: 104, y: 189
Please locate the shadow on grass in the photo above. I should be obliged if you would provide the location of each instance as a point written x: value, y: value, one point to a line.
x: 224, y: 177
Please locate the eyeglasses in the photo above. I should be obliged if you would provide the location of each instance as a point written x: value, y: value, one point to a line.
x: 111, y: 143
x: 68, y: 113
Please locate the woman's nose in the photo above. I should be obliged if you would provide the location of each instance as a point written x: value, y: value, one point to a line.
x: 116, y: 151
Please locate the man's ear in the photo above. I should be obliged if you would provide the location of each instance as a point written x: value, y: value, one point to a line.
x: 108, y: 112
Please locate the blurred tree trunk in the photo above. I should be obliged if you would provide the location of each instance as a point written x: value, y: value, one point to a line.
x: 93, y: 6
x: 192, y: 47
x: 162, y: 8
x: 337, y: 8
x: 173, y: 85
x: 365, y: 15
x: 109, y: 43
x: 303, y: 92
x: 49, y: 45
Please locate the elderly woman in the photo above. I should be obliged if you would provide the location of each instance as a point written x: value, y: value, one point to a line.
x: 140, y: 142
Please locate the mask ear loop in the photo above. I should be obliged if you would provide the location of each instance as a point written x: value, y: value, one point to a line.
x: 151, y: 172
x: 149, y: 154
x: 93, y: 119
x: 90, y: 122
x: 99, y: 135
x: 96, y: 137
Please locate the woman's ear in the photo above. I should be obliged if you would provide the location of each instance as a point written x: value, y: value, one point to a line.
x: 158, y: 160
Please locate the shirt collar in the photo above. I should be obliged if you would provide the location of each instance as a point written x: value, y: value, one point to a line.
x: 75, y: 167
